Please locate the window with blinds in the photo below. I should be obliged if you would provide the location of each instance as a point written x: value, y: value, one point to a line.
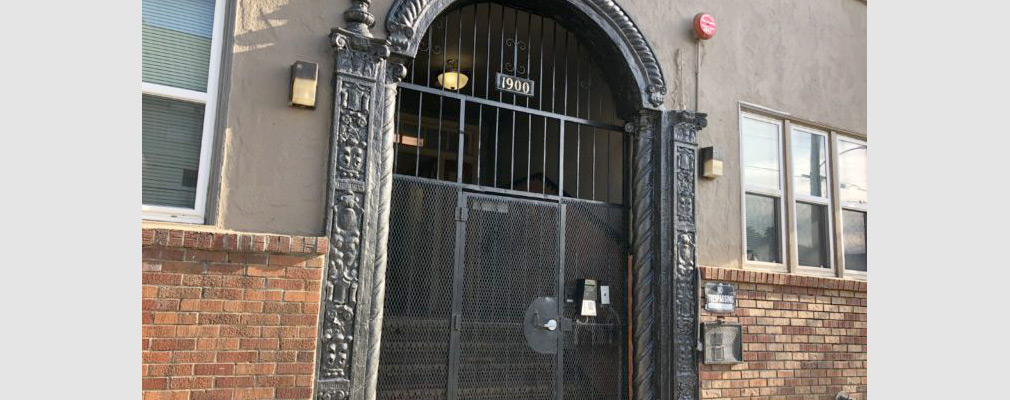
x: 178, y: 68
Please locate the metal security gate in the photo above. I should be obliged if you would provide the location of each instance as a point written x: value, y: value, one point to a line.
x: 500, y: 204
x: 471, y: 288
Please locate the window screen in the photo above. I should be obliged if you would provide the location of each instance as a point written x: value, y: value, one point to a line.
x: 763, y: 229
x: 852, y: 168
x: 812, y: 235
x: 761, y: 154
x: 810, y: 164
x: 854, y: 235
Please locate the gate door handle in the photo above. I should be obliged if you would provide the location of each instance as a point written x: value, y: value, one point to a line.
x: 551, y: 324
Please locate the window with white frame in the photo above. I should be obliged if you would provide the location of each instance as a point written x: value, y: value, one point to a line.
x: 181, y: 54
x: 810, y: 187
x: 762, y: 166
x: 804, y: 197
x: 852, y: 182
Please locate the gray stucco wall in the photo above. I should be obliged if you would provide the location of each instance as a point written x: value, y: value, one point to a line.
x: 807, y: 58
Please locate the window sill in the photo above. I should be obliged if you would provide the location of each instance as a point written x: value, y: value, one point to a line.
x: 814, y: 271
x: 171, y: 214
x: 777, y: 278
x: 766, y: 267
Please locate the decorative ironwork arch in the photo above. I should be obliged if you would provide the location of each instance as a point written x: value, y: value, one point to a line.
x: 366, y: 73
x: 407, y: 21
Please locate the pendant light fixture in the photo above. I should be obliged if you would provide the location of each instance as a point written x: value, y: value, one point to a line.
x: 451, y: 78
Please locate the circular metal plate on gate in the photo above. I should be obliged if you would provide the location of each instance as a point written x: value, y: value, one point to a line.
x: 540, y: 325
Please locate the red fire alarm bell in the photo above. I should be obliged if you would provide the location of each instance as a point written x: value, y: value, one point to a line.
x: 704, y: 26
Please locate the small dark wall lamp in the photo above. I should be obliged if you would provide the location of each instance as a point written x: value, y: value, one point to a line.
x: 711, y: 163
x: 304, y: 80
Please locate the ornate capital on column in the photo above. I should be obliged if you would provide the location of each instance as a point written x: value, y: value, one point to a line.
x: 687, y: 124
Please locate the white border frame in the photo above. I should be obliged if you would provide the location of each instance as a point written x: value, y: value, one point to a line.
x: 779, y: 194
x: 196, y: 214
x: 815, y: 200
x: 863, y: 275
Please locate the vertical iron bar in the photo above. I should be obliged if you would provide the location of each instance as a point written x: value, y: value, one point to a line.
x: 441, y: 99
x: 452, y: 370
x: 529, y: 119
x: 397, y: 133
x: 578, y: 128
x: 420, y: 108
x: 554, y: 65
x: 565, y: 104
x: 418, y: 143
x: 459, y: 46
x: 497, y: 110
x: 462, y: 141
x: 515, y: 69
x: 561, y: 159
x: 589, y: 116
x: 543, y: 185
x: 501, y: 51
x: 565, y: 110
x: 559, y: 369
x: 487, y: 90
x: 480, y: 136
x: 473, y: 54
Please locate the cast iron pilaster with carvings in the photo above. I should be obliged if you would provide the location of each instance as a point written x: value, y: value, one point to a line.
x: 360, y: 182
x: 685, y: 126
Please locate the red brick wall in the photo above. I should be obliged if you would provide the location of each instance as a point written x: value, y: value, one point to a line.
x: 229, y: 316
x: 804, y: 338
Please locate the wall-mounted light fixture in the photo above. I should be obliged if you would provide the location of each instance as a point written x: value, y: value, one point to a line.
x: 711, y: 163
x: 722, y: 342
x: 304, y: 80
x: 452, y: 78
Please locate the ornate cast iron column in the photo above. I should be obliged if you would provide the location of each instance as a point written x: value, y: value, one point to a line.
x: 360, y: 184
x: 645, y: 253
x: 685, y: 126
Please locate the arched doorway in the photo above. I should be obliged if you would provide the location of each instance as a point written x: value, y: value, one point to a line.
x: 484, y: 182
x: 503, y: 206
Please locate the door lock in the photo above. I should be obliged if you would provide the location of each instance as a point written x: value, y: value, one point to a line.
x: 541, y: 324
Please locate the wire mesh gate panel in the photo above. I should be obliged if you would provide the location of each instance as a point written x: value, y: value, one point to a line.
x: 511, y: 258
x: 500, y: 203
x: 415, y: 326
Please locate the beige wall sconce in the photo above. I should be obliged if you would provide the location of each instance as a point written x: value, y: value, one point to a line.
x: 304, y: 80
x: 711, y: 163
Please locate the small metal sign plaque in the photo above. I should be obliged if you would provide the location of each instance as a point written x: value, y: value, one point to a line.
x: 720, y: 297
x: 514, y: 84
